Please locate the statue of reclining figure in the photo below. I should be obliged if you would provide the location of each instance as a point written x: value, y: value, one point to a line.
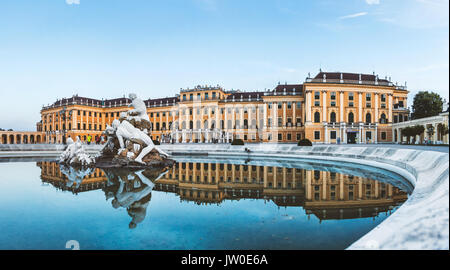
x: 125, y: 130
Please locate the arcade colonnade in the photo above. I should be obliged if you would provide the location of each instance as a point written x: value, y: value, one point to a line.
x: 429, y: 123
x: 22, y: 137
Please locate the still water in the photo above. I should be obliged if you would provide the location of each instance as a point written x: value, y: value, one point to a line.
x: 196, y: 204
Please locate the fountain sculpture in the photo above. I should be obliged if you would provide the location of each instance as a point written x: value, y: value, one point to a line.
x: 129, y: 143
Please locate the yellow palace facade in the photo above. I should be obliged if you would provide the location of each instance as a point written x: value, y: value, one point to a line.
x: 331, y: 107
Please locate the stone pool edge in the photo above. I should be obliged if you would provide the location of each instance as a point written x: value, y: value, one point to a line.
x: 422, y: 222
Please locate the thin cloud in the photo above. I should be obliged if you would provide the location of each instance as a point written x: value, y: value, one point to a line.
x: 73, y: 2
x: 373, y: 2
x: 353, y: 15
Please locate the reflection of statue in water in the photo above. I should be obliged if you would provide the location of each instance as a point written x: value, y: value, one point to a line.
x: 74, y: 175
x: 131, y: 190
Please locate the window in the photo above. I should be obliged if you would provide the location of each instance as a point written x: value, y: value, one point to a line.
x: 289, y: 136
x: 191, y: 96
x: 280, y: 105
x: 333, y: 95
x: 368, y: 135
x: 350, y: 96
x: 368, y: 118
x: 383, y: 97
x: 368, y: 97
x: 316, y: 135
x: 316, y: 117
x: 317, y: 103
x: 213, y: 94
x: 299, y: 105
x: 206, y: 96
x: 383, y: 119
x: 280, y: 121
x: 333, y: 135
x: 333, y: 103
x: 289, y: 105
x: 298, y: 136
x: 333, y: 117
x: 350, y: 104
x: 198, y: 96
x: 184, y: 97
x: 383, y: 135
x: 317, y: 95
x: 395, y: 119
x: 351, y: 117
x: 280, y: 137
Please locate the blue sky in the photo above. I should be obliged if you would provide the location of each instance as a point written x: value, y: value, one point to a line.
x: 52, y: 49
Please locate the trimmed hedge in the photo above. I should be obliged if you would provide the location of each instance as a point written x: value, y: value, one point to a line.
x: 304, y: 142
x: 156, y: 142
x: 237, y: 142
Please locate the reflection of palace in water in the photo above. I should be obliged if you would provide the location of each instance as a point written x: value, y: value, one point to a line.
x: 327, y: 195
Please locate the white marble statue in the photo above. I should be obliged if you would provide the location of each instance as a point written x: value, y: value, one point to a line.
x: 75, y: 154
x: 126, y: 131
x: 140, y: 110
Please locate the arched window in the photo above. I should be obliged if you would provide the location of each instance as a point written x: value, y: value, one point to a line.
x: 333, y: 117
x: 229, y: 124
x: 205, y: 124
x: 383, y: 118
x: 245, y: 123
x: 253, y: 123
x: 351, y: 117
x: 191, y: 125
x: 316, y: 117
x: 198, y: 125
x: 213, y: 123
x: 368, y: 118
x: 222, y: 124
x: 183, y: 125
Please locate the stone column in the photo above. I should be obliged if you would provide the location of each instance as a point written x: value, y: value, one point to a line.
x: 341, y: 106
x: 360, y: 118
x: 375, y: 117
x: 390, y: 109
x: 308, y: 106
x: 324, y: 106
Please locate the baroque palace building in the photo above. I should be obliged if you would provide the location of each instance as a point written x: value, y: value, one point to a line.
x: 331, y: 107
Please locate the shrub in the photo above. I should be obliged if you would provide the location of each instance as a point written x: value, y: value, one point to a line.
x: 304, y: 142
x: 156, y: 142
x: 237, y: 142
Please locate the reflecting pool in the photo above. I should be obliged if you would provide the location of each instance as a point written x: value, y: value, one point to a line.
x: 199, y: 203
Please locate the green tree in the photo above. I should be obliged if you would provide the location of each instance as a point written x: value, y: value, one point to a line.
x: 426, y: 104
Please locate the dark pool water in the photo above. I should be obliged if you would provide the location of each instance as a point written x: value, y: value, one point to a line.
x: 197, y: 204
